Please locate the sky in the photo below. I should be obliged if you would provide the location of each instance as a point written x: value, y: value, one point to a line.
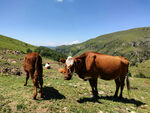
x: 59, y: 22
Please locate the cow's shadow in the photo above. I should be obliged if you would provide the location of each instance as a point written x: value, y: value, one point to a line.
x: 51, y: 93
x: 111, y: 98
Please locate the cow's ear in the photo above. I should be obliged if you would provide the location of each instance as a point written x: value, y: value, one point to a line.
x: 62, y: 60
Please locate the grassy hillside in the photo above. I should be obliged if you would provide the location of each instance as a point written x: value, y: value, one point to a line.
x: 141, y: 69
x: 13, y: 44
x: 133, y: 44
x: 13, y: 51
x: 61, y: 95
x: 72, y: 96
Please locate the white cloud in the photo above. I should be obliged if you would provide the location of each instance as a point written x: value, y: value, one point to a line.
x: 66, y: 0
x: 74, y: 42
x: 59, y: 0
x: 53, y: 44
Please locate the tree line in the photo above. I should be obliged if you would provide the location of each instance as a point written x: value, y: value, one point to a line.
x: 48, y: 53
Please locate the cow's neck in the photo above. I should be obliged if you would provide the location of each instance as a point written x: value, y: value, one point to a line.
x: 80, y: 70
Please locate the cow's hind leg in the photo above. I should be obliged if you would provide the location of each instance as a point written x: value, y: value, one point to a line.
x: 27, y: 77
x: 117, y: 81
x: 93, y: 83
x: 35, y: 83
x: 122, y: 81
x: 41, y: 85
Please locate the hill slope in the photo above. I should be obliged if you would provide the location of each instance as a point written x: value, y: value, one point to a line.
x: 133, y: 44
x: 13, y: 44
x: 141, y: 69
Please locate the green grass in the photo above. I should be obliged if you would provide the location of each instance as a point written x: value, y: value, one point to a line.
x: 13, y: 44
x: 71, y: 96
x: 141, y: 68
x: 74, y: 95
x: 68, y: 96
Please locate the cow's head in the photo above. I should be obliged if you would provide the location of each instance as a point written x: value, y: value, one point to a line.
x: 72, y: 65
x: 69, y: 68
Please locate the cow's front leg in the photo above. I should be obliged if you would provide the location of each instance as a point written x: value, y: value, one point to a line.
x: 93, y: 83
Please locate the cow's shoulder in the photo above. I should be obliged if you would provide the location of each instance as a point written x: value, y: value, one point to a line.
x: 123, y: 60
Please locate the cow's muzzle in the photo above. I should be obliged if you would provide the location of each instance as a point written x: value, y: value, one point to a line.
x: 68, y: 77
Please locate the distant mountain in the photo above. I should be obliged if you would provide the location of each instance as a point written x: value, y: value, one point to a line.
x: 13, y: 44
x: 133, y: 44
x: 51, y: 47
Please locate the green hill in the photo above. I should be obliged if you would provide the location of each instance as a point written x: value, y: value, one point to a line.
x: 7, y: 43
x: 141, y: 69
x: 133, y: 44
x: 13, y: 44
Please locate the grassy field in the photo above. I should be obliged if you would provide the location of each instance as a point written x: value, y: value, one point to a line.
x: 71, y: 96
x: 66, y: 96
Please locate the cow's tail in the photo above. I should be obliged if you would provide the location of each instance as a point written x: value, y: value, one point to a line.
x: 36, y: 65
x: 128, y: 84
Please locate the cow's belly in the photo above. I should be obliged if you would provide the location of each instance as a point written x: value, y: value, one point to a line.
x: 108, y: 77
x: 110, y: 74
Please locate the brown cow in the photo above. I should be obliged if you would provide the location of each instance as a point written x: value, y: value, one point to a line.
x: 61, y: 70
x: 91, y: 65
x: 32, y: 65
x: 62, y: 60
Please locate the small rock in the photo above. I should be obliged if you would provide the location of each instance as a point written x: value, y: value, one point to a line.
x: 100, y: 111
x: 132, y: 107
x: 101, y: 92
x: 133, y: 112
x: 48, y: 84
x: 142, y: 98
x: 65, y: 109
x: 75, y: 86
x: 144, y: 106
x: 110, y: 91
x: 14, y: 62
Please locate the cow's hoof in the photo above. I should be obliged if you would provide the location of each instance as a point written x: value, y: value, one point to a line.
x: 37, y: 86
x: 120, y: 97
x: 96, y: 97
x: 34, y: 97
x: 115, y: 96
x: 42, y: 96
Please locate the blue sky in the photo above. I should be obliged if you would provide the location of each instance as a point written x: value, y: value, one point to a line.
x: 57, y: 22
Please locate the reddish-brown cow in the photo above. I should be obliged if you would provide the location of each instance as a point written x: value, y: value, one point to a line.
x: 91, y: 65
x: 61, y: 70
x: 62, y: 60
x: 32, y: 65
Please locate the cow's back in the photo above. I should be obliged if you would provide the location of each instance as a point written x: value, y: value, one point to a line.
x: 108, y: 67
x: 31, y: 61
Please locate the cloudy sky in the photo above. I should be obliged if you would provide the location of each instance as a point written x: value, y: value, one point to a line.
x: 57, y: 22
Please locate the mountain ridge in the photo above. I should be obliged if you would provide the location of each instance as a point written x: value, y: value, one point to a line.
x: 133, y: 44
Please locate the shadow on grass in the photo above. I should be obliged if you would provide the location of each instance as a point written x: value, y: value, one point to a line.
x: 90, y: 99
x: 111, y: 98
x: 123, y: 100
x: 52, y: 93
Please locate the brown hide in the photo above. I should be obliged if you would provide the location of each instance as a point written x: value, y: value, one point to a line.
x: 32, y: 65
x: 100, y: 65
x: 61, y: 70
x: 62, y: 60
x: 91, y: 65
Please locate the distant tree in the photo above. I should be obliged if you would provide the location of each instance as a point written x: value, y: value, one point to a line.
x: 29, y: 50
x: 49, y: 53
